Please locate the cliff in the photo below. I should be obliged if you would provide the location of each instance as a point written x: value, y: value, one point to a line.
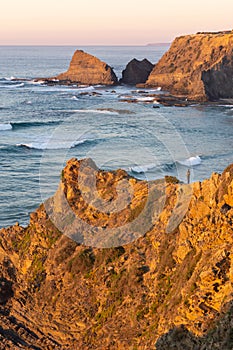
x: 165, y: 278
x: 199, y: 67
x: 136, y: 72
x: 87, y: 69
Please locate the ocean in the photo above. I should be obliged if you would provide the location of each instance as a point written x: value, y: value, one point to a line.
x: 43, y: 126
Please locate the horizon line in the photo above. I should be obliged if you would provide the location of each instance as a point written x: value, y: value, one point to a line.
x: 56, y: 45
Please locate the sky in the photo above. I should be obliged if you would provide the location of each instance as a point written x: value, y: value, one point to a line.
x: 108, y: 22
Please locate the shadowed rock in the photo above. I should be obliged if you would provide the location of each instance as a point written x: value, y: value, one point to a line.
x: 136, y: 72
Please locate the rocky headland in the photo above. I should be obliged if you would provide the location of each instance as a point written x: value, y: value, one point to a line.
x: 198, y: 67
x: 136, y: 72
x: 169, y: 286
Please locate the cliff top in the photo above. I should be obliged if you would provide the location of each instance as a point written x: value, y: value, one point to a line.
x: 220, y: 32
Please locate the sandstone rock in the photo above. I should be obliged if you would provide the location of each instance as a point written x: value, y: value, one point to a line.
x: 87, y: 69
x: 199, y: 67
x: 56, y: 293
x: 136, y: 72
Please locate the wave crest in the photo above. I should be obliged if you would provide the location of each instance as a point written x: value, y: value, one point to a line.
x: 4, y: 127
x: 140, y: 169
x: 190, y: 161
x: 53, y: 146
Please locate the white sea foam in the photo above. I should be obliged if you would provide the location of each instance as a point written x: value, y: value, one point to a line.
x: 36, y: 82
x: 153, y: 90
x: 190, y: 161
x: 10, y: 79
x: 99, y: 111
x: 142, y: 168
x: 85, y: 88
x: 52, y: 145
x: 61, y: 88
x: 4, y: 127
x: 16, y: 85
x: 12, y: 86
x: 227, y: 106
x: 145, y: 99
x: 74, y: 98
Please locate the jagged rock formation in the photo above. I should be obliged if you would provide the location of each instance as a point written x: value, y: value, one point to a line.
x: 219, y: 337
x: 136, y: 72
x: 87, y: 69
x: 199, y: 67
x: 56, y: 293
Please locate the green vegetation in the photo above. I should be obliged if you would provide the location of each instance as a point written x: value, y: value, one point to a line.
x: 23, y: 244
x: 105, y: 314
x: 37, y: 272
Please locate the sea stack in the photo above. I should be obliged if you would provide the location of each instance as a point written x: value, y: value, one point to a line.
x: 198, y: 67
x: 87, y: 69
x: 136, y: 72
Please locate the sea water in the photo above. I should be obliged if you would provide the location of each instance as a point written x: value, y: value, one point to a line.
x: 41, y: 127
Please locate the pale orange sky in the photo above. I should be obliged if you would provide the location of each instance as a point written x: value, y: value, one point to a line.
x: 106, y: 22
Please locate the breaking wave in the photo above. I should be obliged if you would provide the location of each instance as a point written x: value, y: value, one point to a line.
x: 53, y: 145
x: 99, y: 111
x: 140, y: 169
x: 4, y: 127
x: 190, y: 161
x: 24, y: 125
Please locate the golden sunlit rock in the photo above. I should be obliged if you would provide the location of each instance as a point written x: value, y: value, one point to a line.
x: 164, y: 287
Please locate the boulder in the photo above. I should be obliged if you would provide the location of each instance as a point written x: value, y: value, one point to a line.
x: 198, y: 67
x: 136, y: 72
x: 87, y: 69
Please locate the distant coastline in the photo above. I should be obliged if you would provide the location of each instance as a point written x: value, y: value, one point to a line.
x: 158, y: 44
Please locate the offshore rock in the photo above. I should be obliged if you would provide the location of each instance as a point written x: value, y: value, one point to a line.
x: 136, y: 72
x: 198, y: 67
x: 170, y: 286
x: 87, y: 69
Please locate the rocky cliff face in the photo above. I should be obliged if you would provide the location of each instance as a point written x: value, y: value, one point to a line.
x: 87, y: 69
x: 136, y: 72
x: 199, y: 67
x: 56, y: 293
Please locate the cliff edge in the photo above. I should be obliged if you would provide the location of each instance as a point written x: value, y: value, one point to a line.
x: 199, y: 67
x: 170, y: 285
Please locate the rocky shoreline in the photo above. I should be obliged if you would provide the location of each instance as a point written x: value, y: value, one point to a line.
x: 196, y: 69
x: 111, y: 262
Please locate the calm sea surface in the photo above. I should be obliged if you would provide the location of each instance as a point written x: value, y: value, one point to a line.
x: 42, y: 126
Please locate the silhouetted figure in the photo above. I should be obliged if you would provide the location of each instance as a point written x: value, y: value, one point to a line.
x: 188, y: 176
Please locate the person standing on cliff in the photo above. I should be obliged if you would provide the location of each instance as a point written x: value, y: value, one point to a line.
x: 188, y: 176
